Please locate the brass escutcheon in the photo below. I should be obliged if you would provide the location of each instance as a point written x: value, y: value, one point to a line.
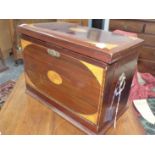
x: 53, y: 53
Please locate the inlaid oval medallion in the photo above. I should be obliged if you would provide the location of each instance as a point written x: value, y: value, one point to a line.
x: 54, y: 77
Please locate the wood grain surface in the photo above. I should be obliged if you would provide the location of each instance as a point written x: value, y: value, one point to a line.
x: 23, y: 114
x: 94, y: 43
x: 69, y: 67
x: 80, y: 84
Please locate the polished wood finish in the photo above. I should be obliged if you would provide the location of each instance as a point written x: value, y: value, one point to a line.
x: 23, y: 114
x: 15, y: 39
x: 73, y: 74
x: 145, y: 30
x: 97, y: 44
x: 75, y: 91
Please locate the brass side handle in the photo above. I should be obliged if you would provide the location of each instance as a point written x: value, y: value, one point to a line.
x: 53, y: 53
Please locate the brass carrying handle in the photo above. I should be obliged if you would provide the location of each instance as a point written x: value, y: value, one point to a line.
x: 53, y: 53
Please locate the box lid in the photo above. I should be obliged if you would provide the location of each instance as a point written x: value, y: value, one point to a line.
x: 91, y: 42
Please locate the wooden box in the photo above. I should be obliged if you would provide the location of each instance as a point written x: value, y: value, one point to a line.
x: 83, y: 73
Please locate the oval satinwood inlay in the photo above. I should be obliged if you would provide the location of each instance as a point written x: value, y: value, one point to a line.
x: 54, y: 77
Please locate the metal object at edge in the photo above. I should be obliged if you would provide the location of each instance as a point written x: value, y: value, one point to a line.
x: 53, y: 53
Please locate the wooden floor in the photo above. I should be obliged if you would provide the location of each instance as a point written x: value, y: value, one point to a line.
x: 23, y: 114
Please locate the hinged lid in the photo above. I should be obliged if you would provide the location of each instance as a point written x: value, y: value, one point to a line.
x: 91, y: 42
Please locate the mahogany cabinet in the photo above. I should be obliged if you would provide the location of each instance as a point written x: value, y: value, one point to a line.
x: 145, y: 30
x: 83, y: 73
